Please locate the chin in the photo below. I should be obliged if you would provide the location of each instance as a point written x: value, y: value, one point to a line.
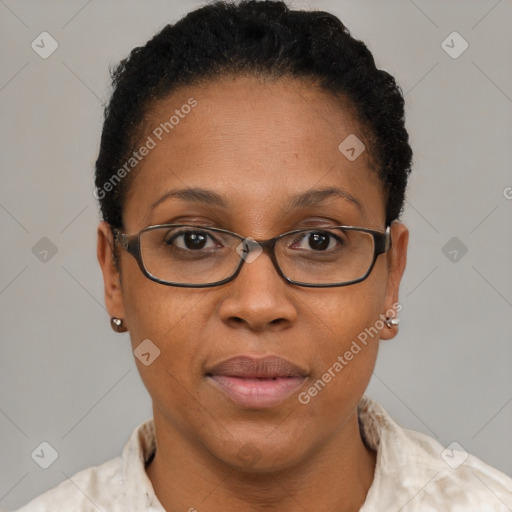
x: 259, y: 455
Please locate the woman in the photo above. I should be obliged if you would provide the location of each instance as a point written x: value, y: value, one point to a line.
x: 251, y: 176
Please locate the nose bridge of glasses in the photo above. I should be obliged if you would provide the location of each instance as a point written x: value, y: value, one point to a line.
x: 265, y: 245
x: 250, y: 249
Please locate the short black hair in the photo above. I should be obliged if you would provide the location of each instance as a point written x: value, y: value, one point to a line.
x: 260, y: 38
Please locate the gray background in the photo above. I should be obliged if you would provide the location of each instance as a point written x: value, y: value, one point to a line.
x: 68, y: 380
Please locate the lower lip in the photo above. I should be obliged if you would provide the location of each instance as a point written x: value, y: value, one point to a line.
x: 258, y: 393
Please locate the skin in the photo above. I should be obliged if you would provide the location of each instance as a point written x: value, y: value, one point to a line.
x: 255, y: 142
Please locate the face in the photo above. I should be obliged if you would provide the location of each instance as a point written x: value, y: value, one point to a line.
x: 256, y: 145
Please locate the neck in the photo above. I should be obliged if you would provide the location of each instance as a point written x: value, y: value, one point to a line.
x: 336, y: 477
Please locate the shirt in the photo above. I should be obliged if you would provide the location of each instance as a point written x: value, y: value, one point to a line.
x: 413, y: 473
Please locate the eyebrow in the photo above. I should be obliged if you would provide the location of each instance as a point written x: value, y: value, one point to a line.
x: 196, y: 194
x: 309, y: 198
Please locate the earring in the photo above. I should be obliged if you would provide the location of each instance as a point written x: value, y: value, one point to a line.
x: 117, y: 324
x: 392, y: 322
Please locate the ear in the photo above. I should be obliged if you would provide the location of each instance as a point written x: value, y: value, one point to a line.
x: 111, y: 276
x: 397, y: 259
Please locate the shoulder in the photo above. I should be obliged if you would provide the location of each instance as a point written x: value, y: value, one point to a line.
x: 92, y: 489
x: 117, y: 485
x: 458, y: 478
x: 418, y: 473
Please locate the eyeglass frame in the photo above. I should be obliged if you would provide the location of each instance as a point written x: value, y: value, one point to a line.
x: 131, y: 243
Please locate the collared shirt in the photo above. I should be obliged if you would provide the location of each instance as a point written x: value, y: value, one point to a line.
x: 413, y: 473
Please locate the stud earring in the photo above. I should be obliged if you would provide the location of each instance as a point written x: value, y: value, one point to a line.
x: 117, y: 324
x: 392, y: 322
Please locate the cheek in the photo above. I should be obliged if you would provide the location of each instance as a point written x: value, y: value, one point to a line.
x: 352, y: 338
x: 156, y: 311
x: 345, y: 312
x: 171, y: 319
x: 346, y: 351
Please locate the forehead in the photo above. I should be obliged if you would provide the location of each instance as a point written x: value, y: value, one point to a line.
x: 255, y: 142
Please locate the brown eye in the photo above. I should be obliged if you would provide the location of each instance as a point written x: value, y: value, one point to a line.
x: 317, y: 241
x: 191, y: 240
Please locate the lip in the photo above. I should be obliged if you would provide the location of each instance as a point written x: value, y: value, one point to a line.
x: 257, y: 383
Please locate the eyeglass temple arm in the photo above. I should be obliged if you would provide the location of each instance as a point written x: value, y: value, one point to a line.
x: 130, y: 244
x: 384, y: 241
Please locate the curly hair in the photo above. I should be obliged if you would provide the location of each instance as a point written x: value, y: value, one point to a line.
x: 260, y: 38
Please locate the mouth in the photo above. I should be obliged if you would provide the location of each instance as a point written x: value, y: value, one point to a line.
x: 257, y: 383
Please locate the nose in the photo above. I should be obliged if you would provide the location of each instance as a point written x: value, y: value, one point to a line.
x: 258, y: 298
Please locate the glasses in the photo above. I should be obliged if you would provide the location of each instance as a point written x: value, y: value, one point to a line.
x: 199, y: 257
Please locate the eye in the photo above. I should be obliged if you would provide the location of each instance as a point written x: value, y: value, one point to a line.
x: 317, y: 241
x: 191, y: 240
